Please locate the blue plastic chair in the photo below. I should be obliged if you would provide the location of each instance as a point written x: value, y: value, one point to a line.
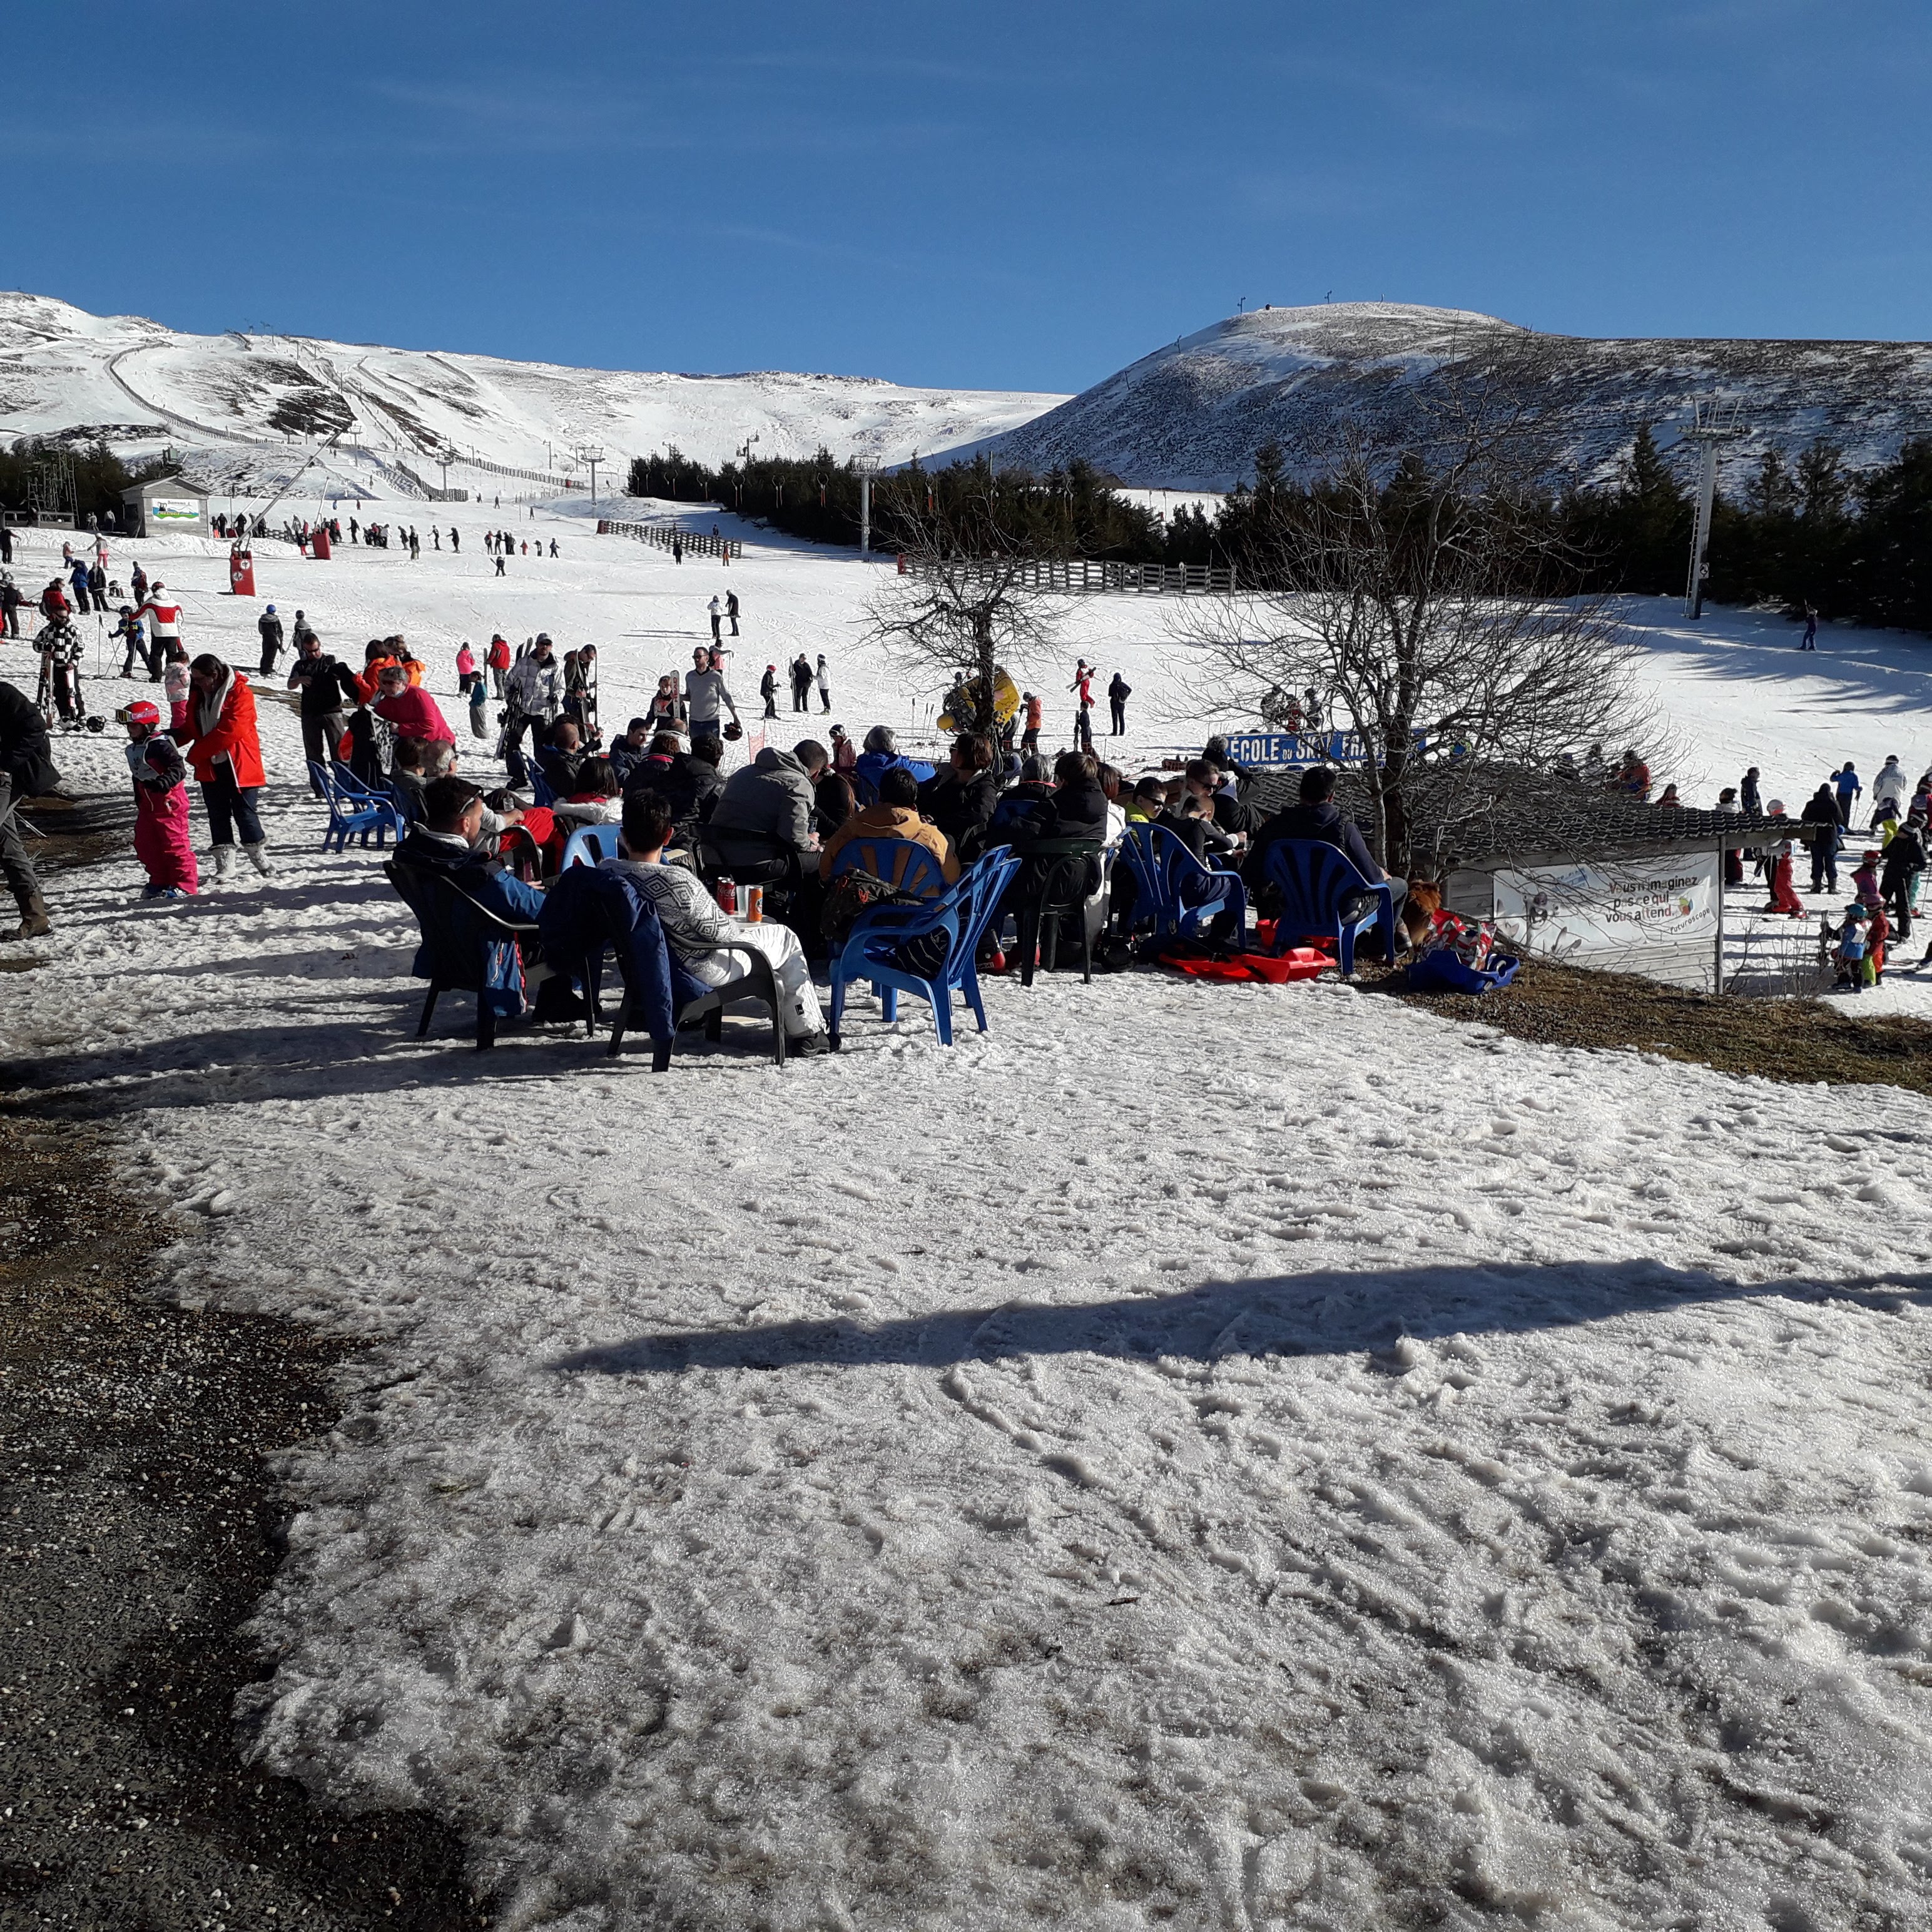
x: 354, y: 811
x: 1314, y: 879
x: 587, y: 845
x: 1173, y: 887
x: 874, y: 949
x: 905, y: 864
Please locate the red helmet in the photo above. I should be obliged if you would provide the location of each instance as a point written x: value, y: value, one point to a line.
x: 142, y: 711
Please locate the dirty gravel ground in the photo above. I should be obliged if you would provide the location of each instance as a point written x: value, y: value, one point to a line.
x: 138, y: 1527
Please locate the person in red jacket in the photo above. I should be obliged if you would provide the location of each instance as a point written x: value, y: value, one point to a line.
x: 498, y: 659
x: 163, y: 613
x: 220, y: 743
x: 410, y: 708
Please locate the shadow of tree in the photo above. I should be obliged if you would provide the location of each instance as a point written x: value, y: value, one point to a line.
x: 1324, y: 1313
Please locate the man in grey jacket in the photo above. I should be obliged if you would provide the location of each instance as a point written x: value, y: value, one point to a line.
x: 535, y: 698
x: 765, y: 813
x: 704, y: 692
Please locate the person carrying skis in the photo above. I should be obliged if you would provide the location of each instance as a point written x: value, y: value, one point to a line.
x: 704, y: 692
x: 163, y: 839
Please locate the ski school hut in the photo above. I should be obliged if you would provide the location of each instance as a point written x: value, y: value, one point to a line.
x: 1571, y: 873
x: 167, y: 503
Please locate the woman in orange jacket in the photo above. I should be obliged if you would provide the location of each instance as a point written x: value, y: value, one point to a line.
x: 220, y: 743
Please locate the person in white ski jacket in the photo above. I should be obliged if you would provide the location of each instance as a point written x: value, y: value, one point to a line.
x: 164, y: 618
x: 1889, y: 791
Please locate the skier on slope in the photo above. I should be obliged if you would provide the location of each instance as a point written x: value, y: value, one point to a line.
x: 270, y: 626
x: 163, y: 614
x: 1888, y: 791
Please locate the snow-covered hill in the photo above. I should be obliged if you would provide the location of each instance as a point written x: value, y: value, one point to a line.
x: 1192, y: 415
x: 252, y: 408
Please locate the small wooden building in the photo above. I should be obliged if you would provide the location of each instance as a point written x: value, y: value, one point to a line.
x: 167, y: 503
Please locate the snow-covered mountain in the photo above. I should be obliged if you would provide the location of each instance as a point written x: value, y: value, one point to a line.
x: 258, y: 405
x: 1191, y: 416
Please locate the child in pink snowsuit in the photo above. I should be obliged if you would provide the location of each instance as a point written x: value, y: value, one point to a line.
x: 163, y: 842
x: 176, y: 688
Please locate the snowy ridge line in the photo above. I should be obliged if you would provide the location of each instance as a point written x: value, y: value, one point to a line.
x: 1194, y: 413
x: 238, y: 392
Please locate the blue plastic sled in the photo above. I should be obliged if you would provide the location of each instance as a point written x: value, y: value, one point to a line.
x: 1442, y: 972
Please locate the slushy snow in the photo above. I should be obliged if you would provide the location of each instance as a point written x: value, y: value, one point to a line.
x: 1205, y: 1455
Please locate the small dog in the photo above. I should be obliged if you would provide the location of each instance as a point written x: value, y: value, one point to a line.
x: 1425, y: 898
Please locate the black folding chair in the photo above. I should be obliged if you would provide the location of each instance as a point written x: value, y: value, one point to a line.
x: 1054, y: 885
x: 457, y: 933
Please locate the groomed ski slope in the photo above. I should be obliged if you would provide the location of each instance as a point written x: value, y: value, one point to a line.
x: 1194, y: 1456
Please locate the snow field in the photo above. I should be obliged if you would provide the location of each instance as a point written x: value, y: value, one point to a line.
x: 1239, y: 1456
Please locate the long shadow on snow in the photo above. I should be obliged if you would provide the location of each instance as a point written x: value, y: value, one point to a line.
x: 1328, y: 1313
x: 1866, y: 671
x: 334, y: 1060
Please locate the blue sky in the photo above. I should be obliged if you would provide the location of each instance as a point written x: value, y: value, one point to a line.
x: 993, y: 195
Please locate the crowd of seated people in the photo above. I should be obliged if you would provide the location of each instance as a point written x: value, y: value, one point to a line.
x: 792, y: 820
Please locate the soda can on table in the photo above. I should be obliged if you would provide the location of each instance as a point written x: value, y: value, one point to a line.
x: 755, y: 905
x: 728, y: 895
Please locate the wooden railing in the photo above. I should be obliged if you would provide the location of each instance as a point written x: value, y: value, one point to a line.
x: 666, y: 535
x: 1080, y: 574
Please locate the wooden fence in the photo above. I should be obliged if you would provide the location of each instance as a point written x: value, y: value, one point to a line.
x: 1086, y: 573
x: 665, y: 535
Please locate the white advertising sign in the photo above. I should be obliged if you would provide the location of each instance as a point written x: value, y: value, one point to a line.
x: 1654, y: 915
x: 174, y: 509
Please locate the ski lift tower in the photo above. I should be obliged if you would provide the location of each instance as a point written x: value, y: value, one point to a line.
x: 1711, y: 422
x: 592, y: 454
x: 867, y: 467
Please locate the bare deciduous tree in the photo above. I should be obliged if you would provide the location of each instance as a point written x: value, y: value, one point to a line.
x: 1437, y: 612
x: 967, y: 606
